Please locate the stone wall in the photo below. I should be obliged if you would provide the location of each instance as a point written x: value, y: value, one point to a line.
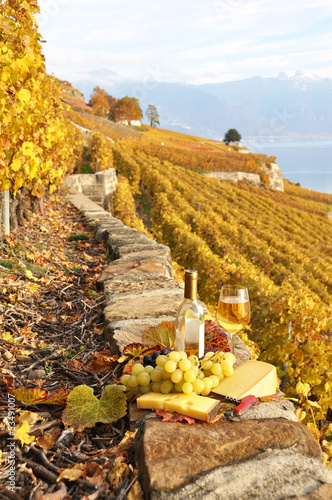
x: 266, y: 454
x: 99, y: 187
x: 271, y: 170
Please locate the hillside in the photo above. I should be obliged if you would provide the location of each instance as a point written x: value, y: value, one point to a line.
x: 278, y: 244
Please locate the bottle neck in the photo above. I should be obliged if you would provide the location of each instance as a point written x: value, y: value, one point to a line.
x: 190, y: 285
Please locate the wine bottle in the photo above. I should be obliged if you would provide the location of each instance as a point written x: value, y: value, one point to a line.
x: 190, y: 318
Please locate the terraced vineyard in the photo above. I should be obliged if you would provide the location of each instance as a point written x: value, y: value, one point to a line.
x: 278, y: 244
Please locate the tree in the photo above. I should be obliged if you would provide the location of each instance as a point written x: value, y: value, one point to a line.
x: 35, y: 141
x: 153, y: 115
x: 127, y: 109
x: 99, y: 102
x: 232, y: 136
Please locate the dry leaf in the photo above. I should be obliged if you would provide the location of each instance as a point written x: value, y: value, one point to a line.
x: 71, y: 474
x: 29, y: 416
x: 22, y: 433
x: 47, y: 440
x: 163, y: 335
x: 85, y: 410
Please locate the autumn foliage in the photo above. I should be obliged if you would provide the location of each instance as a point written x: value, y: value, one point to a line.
x: 34, y: 148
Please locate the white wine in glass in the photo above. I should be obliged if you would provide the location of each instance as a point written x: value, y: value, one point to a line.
x: 233, y: 309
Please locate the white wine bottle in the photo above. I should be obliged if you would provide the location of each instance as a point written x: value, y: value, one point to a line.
x: 190, y: 319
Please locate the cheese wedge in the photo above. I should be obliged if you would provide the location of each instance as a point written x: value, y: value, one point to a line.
x: 191, y: 405
x: 251, y: 378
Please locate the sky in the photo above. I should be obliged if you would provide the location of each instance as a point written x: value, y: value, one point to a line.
x: 191, y: 41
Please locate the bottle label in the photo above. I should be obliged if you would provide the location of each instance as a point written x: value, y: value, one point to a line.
x: 195, y: 334
x: 179, y: 341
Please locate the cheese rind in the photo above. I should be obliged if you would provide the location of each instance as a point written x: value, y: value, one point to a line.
x: 191, y: 405
x: 251, y: 378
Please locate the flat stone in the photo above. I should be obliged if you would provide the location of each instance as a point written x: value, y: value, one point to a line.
x: 143, y: 249
x: 121, y: 333
x: 147, y: 304
x: 276, y: 475
x: 134, y: 266
x: 134, y: 283
x: 171, y: 454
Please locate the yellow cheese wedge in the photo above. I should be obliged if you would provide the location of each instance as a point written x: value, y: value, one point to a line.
x: 191, y: 405
x: 251, y: 378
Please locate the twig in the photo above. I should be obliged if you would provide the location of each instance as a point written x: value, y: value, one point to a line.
x: 43, y: 458
x: 42, y: 471
x: 10, y: 494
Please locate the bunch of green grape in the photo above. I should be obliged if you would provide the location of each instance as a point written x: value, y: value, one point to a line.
x: 178, y: 372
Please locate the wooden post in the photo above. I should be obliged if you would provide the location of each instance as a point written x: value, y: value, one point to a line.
x: 5, y: 213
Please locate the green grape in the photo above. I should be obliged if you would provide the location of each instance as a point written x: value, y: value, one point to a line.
x: 215, y: 380
x: 170, y: 366
x: 166, y: 387
x: 149, y: 369
x: 156, y: 386
x: 209, y: 355
x: 132, y: 381
x: 161, y: 360
x: 230, y: 355
x: 183, y: 355
x: 207, y: 365
x: 143, y: 378
x: 187, y: 388
x: 206, y: 392
x: 208, y: 383
x: 221, y: 376
x: 228, y: 372
x: 166, y: 374
x: 132, y: 392
x: 200, y: 374
x: 198, y: 386
x: 227, y: 367
x: 137, y: 369
x: 177, y: 376
x: 143, y: 389
x: 124, y: 379
x: 156, y: 375
x: 190, y: 376
x: 178, y: 386
x: 160, y: 368
x: 174, y: 356
x: 193, y: 359
x: 216, y: 368
x: 185, y: 365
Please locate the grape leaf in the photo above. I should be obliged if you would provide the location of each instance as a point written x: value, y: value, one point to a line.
x: 37, y: 396
x: 136, y: 349
x: 22, y: 433
x: 85, y: 410
x: 173, y: 417
x: 162, y: 335
x: 215, y: 338
x: 72, y: 474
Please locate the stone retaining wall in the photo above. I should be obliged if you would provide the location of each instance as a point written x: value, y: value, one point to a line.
x: 266, y: 454
x: 99, y: 187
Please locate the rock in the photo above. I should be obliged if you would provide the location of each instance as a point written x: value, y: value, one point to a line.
x: 276, y: 475
x: 134, y: 266
x: 36, y: 374
x: 7, y: 355
x: 171, y: 454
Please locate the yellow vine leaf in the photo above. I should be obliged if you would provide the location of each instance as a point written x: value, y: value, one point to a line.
x: 72, y: 474
x: 302, y: 389
x: 22, y: 433
x: 85, y: 410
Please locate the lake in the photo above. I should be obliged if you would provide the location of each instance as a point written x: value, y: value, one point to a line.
x: 309, y: 163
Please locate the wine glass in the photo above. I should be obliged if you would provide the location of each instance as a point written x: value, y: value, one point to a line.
x: 233, y: 309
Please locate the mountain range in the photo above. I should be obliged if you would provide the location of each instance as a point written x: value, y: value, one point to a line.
x: 297, y: 107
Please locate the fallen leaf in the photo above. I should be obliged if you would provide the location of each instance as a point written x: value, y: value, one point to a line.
x: 119, y: 471
x: 74, y: 364
x: 173, y: 417
x: 22, y: 433
x: 136, y: 349
x: 29, y: 416
x: 71, y: 474
x: 103, y: 361
x: 85, y: 410
x: 163, y: 335
x: 40, y: 396
x: 47, y: 440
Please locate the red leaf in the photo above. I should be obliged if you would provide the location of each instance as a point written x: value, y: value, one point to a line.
x: 216, y: 338
x: 173, y: 417
x: 137, y: 349
x: 40, y: 396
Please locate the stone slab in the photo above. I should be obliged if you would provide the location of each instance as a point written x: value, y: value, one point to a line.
x: 134, y: 283
x: 121, y: 333
x: 171, y: 454
x: 147, y: 304
x: 134, y: 266
x: 144, y: 249
x: 276, y: 475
